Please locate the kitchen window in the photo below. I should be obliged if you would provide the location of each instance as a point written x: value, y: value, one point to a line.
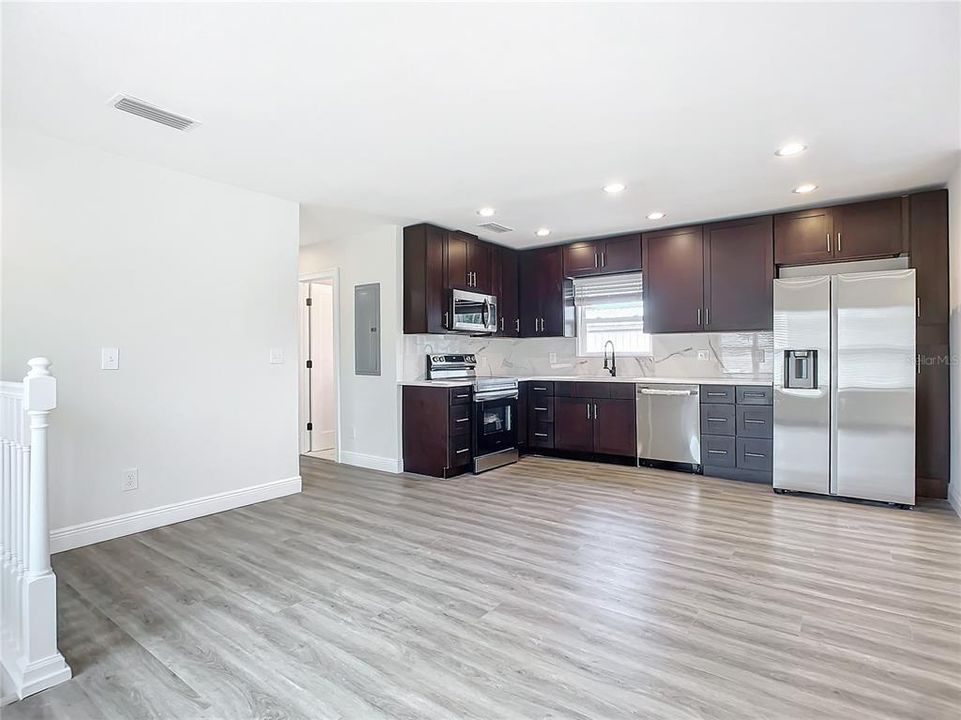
x: 611, y: 307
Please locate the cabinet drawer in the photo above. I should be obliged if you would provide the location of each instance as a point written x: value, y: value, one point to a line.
x: 459, y: 450
x: 755, y: 421
x: 541, y: 435
x: 460, y: 395
x: 717, y: 394
x: 717, y: 419
x: 718, y: 451
x: 562, y: 389
x: 622, y: 391
x: 541, y: 409
x: 460, y: 418
x: 754, y: 395
x: 754, y: 454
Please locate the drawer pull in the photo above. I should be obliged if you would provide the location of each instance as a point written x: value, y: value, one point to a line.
x: 716, y: 394
x: 755, y: 394
x: 710, y: 419
x: 717, y: 452
x: 462, y: 396
x: 757, y: 455
x: 462, y: 451
x: 540, y: 409
x: 467, y: 419
x: 540, y: 434
x: 755, y: 422
x: 543, y: 389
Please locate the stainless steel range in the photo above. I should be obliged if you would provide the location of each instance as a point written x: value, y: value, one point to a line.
x: 494, y: 426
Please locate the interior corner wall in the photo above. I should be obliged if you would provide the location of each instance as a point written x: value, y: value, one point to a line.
x: 370, y: 422
x: 954, y: 244
x: 195, y: 282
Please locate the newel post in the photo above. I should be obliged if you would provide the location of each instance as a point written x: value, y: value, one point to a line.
x: 39, y: 398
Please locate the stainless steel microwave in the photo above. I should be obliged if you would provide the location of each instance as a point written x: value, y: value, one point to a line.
x: 472, y: 312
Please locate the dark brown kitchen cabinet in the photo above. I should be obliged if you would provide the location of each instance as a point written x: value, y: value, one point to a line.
x: 674, y: 280
x: 425, y: 294
x: 929, y: 255
x: 739, y: 275
x: 542, y: 303
x: 603, y: 256
x: 856, y: 231
x: 932, y: 417
x: 437, y: 430
x: 574, y: 424
x: 804, y: 237
x: 468, y: 262
x: 614, y: 432
x: 504, y: 288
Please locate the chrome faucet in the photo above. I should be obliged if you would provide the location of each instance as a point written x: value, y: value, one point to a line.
x: 612, y: 368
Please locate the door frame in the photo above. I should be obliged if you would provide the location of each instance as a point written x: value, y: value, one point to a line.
x: 333, y: 275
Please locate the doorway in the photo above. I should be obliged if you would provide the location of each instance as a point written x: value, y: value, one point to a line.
x: 319, y: 354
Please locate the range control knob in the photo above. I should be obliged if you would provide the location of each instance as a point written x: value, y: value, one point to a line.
x: 436, y: 358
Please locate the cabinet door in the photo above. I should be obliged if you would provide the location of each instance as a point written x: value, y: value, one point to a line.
x: 581, y: 258
x: 551, y: 291
x: 868, y: 229
x: 457, y: 257
x: 505, y: 289
x: 573, y: 424
x: 479, y: 263
x: 621, y: 254
x: 803, y: 237
x: 739, y: 275
x: 933, y: 446
x: 929, y: 255
x: 528, y: 282
x: 673, y: 281
x: 614, y: 432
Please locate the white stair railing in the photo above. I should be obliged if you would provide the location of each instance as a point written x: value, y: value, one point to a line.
x: 28, y: 588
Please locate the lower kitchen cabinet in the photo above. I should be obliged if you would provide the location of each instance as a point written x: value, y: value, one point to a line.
x: 595, y: 417
x: 437, y: 430
x: 737, y: 431
x: 614, y: 432
x: 573, y: 424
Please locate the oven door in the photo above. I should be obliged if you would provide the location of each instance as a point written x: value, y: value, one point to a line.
x: 473, y: 312
x: 495, y: 422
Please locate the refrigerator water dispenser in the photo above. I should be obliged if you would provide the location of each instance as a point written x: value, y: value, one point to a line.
x: 800, y: 369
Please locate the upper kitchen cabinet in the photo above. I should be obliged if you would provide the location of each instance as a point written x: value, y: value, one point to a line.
x: 804, y: 237
x: 739, y: 275
x: 928, y: 232
x: 857, y: 231
x: 674, y: 280
x: 468, y: 262
x: 605, y: 256
x: 542, y: 302
x: 869, y: 229
x: 504, y: 283
x: 425, y: 296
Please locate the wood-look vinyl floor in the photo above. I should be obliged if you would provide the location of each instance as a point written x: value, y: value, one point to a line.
x: 546, y: 589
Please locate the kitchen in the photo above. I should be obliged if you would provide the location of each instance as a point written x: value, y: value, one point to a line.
x: 691, y: 348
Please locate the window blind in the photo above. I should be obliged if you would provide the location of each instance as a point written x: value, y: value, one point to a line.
x: 607, y: 289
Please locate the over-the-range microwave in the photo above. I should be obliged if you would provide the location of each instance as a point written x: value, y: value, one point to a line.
x: 471, y: 312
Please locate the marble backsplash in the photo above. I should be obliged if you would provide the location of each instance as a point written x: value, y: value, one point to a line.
x: 700, y: 355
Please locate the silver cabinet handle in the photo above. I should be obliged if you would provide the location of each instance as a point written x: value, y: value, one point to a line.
x: 446, y: 319
x: 699, y: 317
x: 588, y: 405
x: 754, y: 394
x: 752, y: 454
x: 595, y: 260
x: 460, y: 420
x: 540, y: 434
x: 595, y: 411
x: 917, y: 303
x: 603, y: 259
x: 541, y: 389
x: 717, y: 452
x: 754, y: 422
x: 462, y: 396
x: 517, y: 325
x: 710, y: 419
x: 502, y: 323
x: 540, y: 409
x: 707, y: 316
x: 828, y: 235
x: 839, y: 250
x: 717, y: 394
x: 458, y: 452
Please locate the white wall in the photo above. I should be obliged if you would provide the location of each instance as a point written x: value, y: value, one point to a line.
x: 954, y: 241
x: 370, y: 406
x: 194, y: 281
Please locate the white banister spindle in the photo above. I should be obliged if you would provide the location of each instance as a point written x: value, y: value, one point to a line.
x: 28, y: 649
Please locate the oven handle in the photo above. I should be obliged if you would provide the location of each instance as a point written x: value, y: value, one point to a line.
x: 499, y: 395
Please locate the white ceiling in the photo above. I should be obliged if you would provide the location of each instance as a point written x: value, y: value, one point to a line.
x: 428, y: 112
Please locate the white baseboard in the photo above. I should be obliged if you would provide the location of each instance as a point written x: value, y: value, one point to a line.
x: 954, y: 495
x: 97, y: 531
x: 373, y: 462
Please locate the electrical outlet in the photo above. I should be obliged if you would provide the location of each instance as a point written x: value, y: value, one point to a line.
x: 275, y: 356
x: 131, y: 480
x: 109, y: 358
x: 552, y: 358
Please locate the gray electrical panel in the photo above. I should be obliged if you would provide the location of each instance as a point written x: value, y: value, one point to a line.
x: 367, y: 329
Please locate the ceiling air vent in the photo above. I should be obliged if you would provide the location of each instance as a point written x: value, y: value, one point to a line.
x: 495, y: 227
x: 151, y: 112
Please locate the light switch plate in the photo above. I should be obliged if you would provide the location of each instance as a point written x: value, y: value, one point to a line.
x: 276, y: 356
x: 109, y: 358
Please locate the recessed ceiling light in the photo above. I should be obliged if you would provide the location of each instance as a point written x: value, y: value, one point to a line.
x: 805, y: 188
x: 656, y: 215
x: 542, y: 232
x: 486, y: 212
x: 614, y: 188
x: 791, y: 148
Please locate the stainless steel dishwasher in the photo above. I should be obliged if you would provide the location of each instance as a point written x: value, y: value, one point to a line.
x: 669, y: 423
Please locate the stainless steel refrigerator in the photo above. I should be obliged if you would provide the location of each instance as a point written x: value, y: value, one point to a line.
x: 844, y: 385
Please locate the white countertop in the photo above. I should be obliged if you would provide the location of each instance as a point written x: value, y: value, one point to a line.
x: 729, y: 380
